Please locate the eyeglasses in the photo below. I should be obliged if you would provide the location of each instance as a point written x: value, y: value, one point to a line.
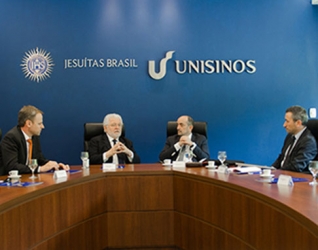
x: 115, y: 125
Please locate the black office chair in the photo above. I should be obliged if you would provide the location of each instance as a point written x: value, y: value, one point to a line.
x: 312, y: 125
x: 198, y: 127
x: 94, y: 129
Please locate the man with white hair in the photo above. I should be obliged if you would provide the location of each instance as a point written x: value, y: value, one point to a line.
x: 112, y: 147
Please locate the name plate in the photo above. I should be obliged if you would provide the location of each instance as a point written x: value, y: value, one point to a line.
x: 223, y: 170
x: 285, y: 180
x: 109, y: 166
x: 60, y: 174
x: 178, y: 164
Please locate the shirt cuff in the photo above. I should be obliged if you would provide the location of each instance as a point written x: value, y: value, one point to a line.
x: 130, y: 158
x: 177, y: 146
x: 105, y: 159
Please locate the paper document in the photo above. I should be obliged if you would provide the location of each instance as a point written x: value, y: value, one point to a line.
x: 245, y: 170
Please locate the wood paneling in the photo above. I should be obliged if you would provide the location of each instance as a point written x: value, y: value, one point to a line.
x: 140, y: 229
x: 149, y: 207
x: 27, y: 224
x: 245, y: 221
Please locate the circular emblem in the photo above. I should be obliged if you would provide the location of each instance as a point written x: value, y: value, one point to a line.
x: 37, y: 64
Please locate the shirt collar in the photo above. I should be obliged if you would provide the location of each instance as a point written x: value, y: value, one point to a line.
x: 111, y: 138
x: 299, y: 133
x: 26, y: 137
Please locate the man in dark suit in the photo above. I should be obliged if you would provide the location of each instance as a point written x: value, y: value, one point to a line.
x: 16, y: 148
x: 111, y: 147
x: 300, y: 145
x: 195, y: 145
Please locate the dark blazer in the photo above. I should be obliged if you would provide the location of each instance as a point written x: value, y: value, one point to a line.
x: 201, y: 150
x: 13, y: 152
x: 303, y: 152
x: 100, y: 144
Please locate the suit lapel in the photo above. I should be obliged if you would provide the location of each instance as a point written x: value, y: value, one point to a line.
x: 23, y: 144
x: 105, y: 143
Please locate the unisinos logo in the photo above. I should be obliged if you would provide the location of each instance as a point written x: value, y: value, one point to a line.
x: 201, y: 66
x: 37, y: 64
x: 163, y: 67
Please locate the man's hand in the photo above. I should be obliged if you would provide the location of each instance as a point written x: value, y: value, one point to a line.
x: 50, y: 165
x: 117, y: 149
x: 185, y: 140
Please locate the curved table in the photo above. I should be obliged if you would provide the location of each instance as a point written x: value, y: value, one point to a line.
x: 147, y: 206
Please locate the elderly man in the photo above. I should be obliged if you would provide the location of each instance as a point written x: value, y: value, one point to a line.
x: 111, y: 147
x: 300, y: 145
x: 185, y: 146
x: 22, y: 143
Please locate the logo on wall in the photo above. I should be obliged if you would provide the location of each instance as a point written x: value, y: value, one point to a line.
x: 162, y: 69
x: 37, y: 65
x: 201, y: 66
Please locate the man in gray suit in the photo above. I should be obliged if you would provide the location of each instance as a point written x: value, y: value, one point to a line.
x: 185, y: 141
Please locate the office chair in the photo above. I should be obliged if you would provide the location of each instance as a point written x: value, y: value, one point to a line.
x: 312, y: 125
x: 94, y: 129
x: 198, y: 127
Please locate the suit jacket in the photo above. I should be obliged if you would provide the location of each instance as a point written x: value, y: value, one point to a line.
x: 200, y: 152
x: 304, y: 151
x: 13, y: 152
x: 100, y: 144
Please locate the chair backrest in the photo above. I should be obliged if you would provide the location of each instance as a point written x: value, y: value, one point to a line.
x: 92, y: 129
x: 312, y: 125
x: 198, y: 127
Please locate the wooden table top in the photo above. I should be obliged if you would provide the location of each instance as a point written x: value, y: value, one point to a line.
x: 301, y: 199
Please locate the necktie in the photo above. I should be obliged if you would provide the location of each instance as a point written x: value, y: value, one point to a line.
x: 290, y: 146
x: 118, y: 156
x: 181, y: 153
x: 30, y: 149
x: 289, y: 149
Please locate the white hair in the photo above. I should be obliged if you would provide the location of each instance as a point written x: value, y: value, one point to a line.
x: 107, y: 118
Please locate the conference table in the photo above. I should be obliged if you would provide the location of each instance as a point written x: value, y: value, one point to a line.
x: 149, y: 206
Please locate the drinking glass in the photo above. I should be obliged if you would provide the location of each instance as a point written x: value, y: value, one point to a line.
x: 222, y: 157
x: 84, y: 155
x: 313, y: 168
x: 84, y: 158
x: 32, y: 164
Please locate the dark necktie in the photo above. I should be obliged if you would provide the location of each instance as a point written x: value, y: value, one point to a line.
x: 289, y: 149
x: 291, y: 146
x: 120, y: 156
